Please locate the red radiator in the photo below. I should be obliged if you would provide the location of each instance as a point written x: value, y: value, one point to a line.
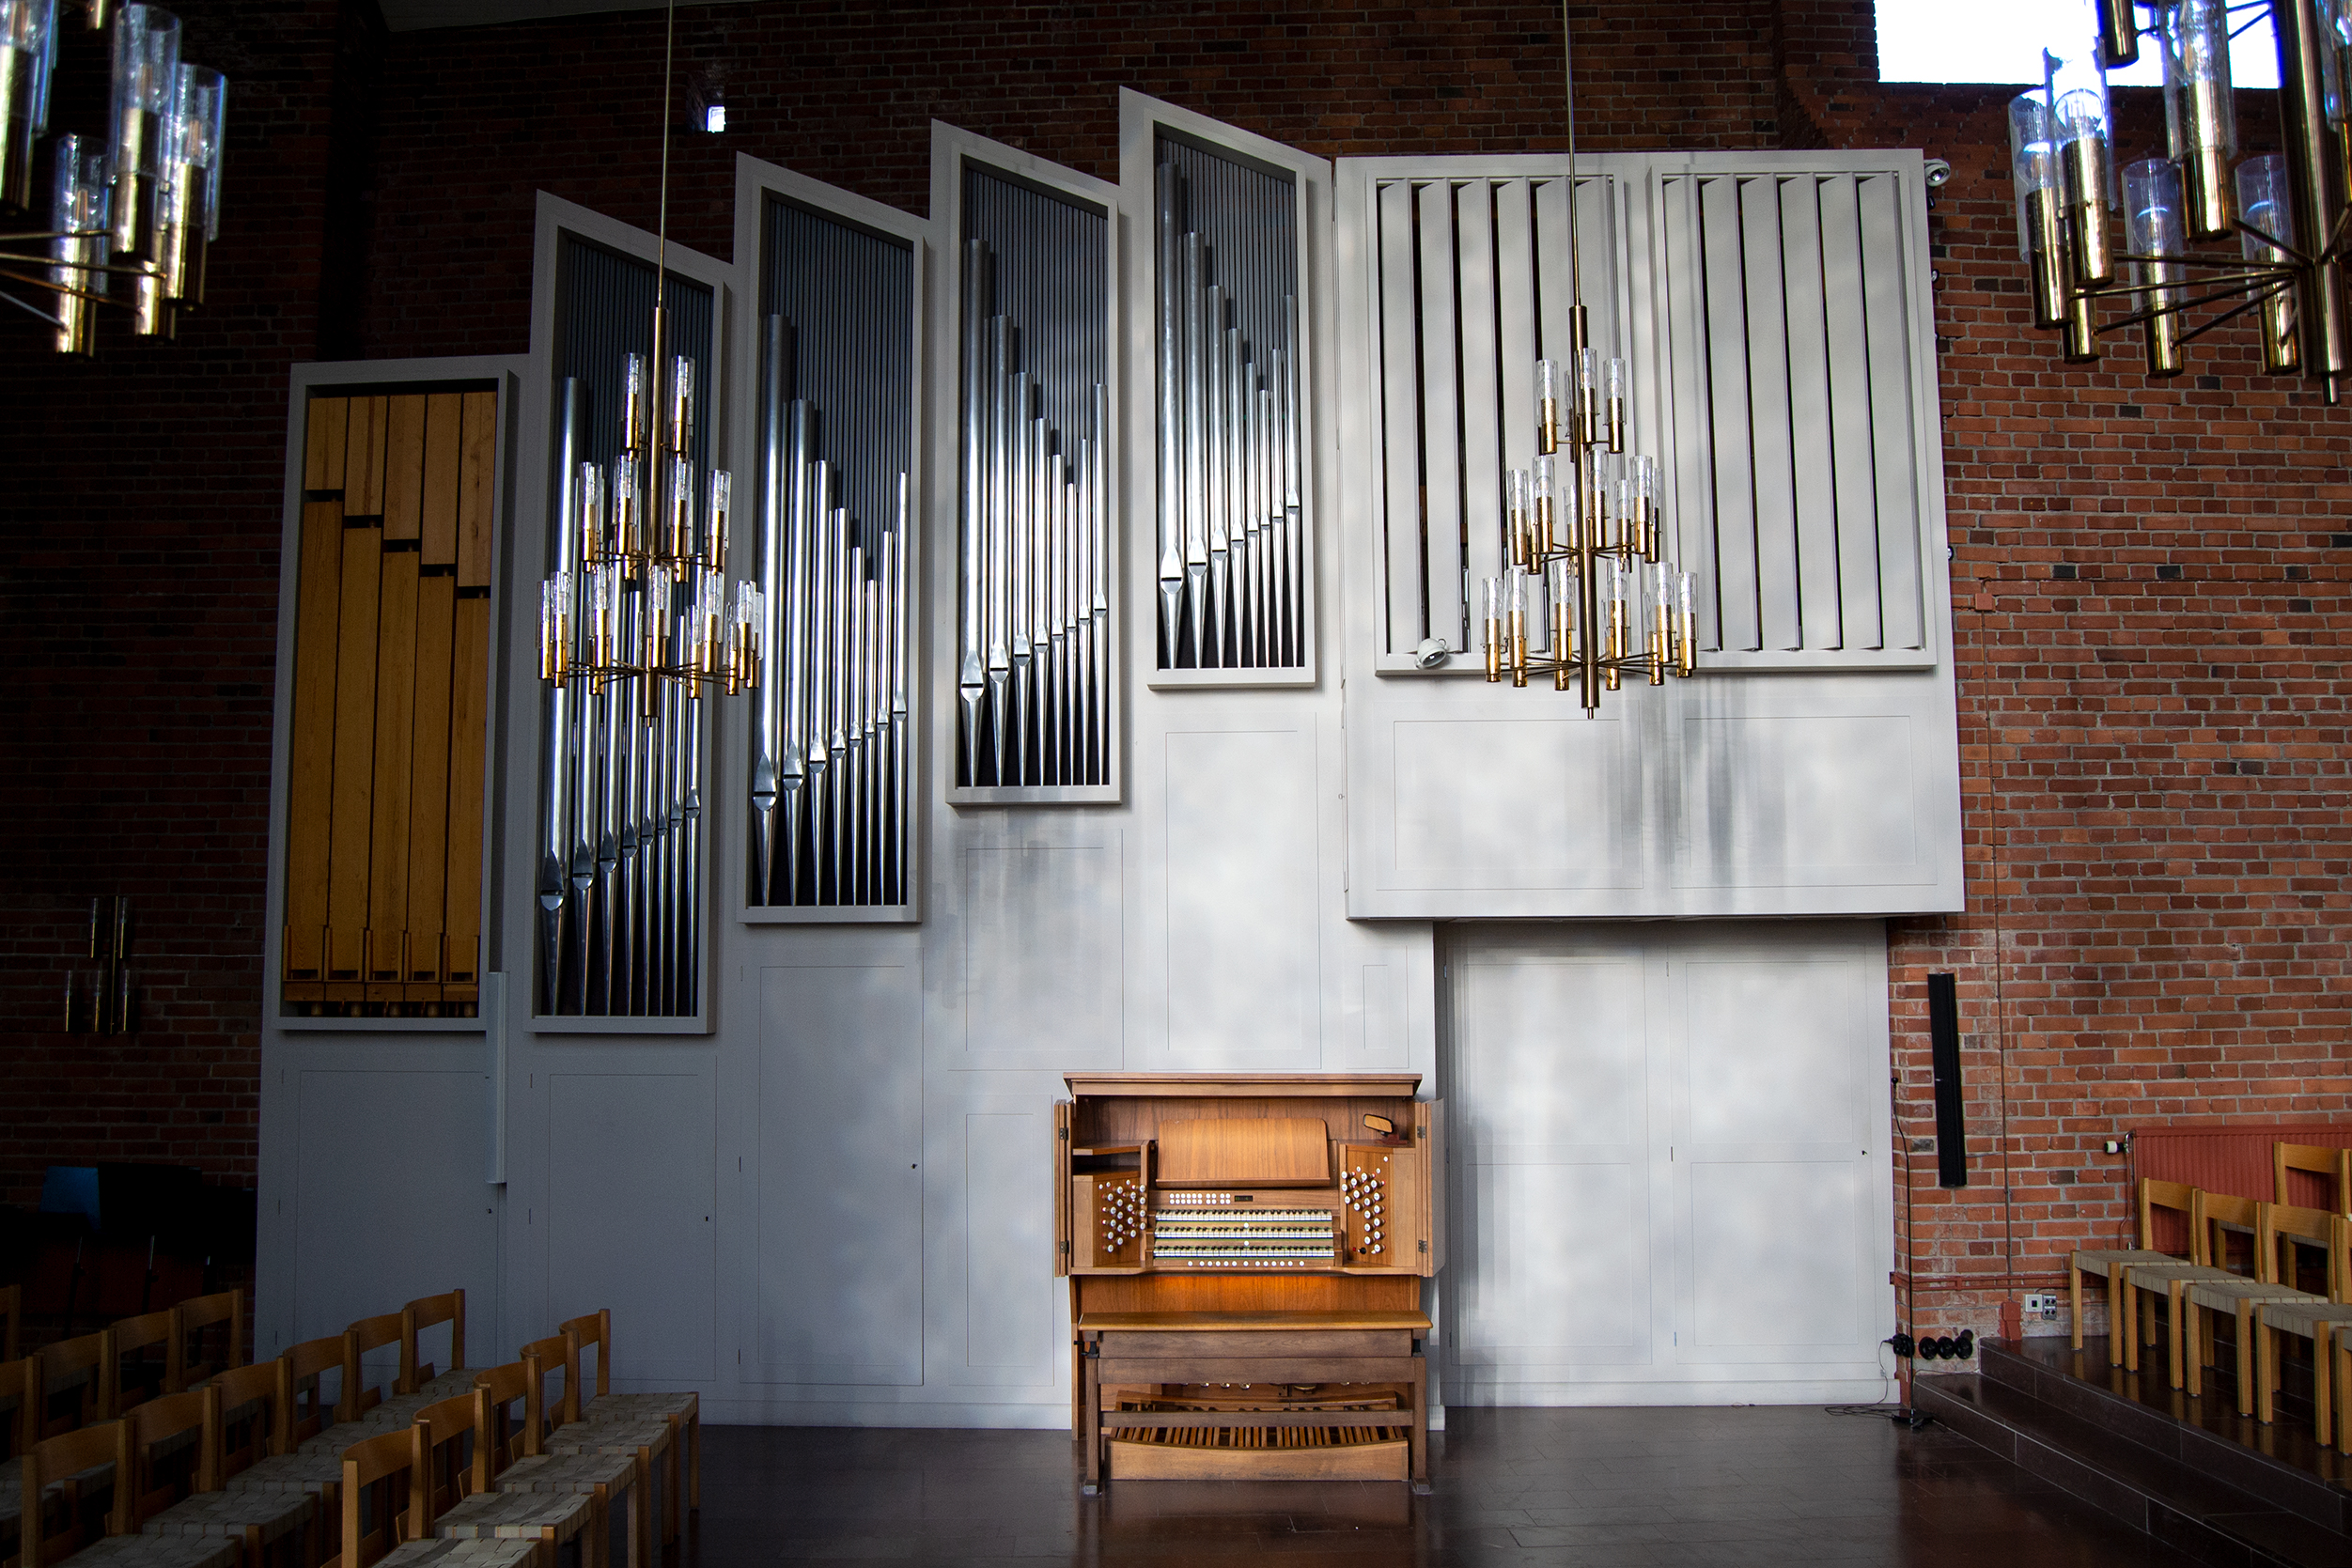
x: 2233, y: 1158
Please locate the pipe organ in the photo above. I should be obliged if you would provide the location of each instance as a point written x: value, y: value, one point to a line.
x: 1036, y: 676
x: 619, y: 877
x: 1234, y: 565
x: 1244, y: 1254
x: 834, y: 728
x: 390, y: 710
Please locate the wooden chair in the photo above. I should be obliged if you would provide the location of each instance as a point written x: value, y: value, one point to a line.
x: 168, y: 1506
x: 2211, y: 1217
x: 683, y: 1411
x: 256, y: 1453
x: 510, y: 1460
x: 191, y: 1320
x: 459, y: 1513
x: 384, y: 1482
x: 2332, y: 1166
x: 136, y: 1374
x: 56, y: 1473
x: 2320, y: 1322
x: 2108, y: 1263
x: 361, y: 1403
x: 2277, y: 1227
x: 309, y: 1423
x: 416, y: 1375
x: 650, y: 1443
x: 81, y: 1367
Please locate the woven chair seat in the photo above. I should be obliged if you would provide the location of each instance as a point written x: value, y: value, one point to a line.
x: 305, y: 1473
x: 12, y: 1491
x: 2302, y: 1317
x: 514, y: 1516
x: 568, y: 1474
x: 581, y: 1437
x: 2102, y: 1262
x: 610, y: 1409
x: 159, y: 1551
x: 2224, y: 1296
x: 229, y: 1515
x: 335, y: 1438
x: 401, y: 1409
x: 449, y: 1384
x: 461, y: 1554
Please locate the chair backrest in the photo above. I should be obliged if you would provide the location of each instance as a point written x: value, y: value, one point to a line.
x: 84, y: 1367
x: 2180, y: 1197
x: 304, y: 1412
x: 2217, y: 1215
x: 11, y: 1322
x: 151, y: 1488
x: 430, y: 1312
x: 19, y: 1389
x: 2332, y: 1165
x: 2283, y: 1229
x: 589, y: 1329
x: 500, y: 1387
x: 145, y: 1343
x: 193, y: 1318
x: 369, y: 1333
x: 451, y: 1427
x: 252, y: 1418
x: 556, y: 1354
x: 391, y: 1467
x: 52, y: 1460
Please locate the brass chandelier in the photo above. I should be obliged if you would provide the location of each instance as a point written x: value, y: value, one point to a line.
x: 2285, y: 210
x: 1584, y: 544
x: 144, y: 206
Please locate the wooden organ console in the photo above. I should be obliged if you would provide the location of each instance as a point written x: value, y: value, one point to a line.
x: 1245, y: 1254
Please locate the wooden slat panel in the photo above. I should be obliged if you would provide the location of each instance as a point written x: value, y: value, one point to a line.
x: 1440, y: 413
x: 469, y: 710
x: 1514, y: 316
x: 1400, y: 425
x: 1769, y: 414
x: 355, y: 758
x: 1819, y: 625
x: 1553, y: 292
x: 1482, y: 396
x: 310, y: 773
x: 1725, y: 293
x: 477, y: 468
x: 1896, y: 466
x: 362, y: 479
x: 1689, y: 461
x: 314, y: 447
x: 428, y: 791
x: 443, y: 416
x: 1849, y: 413
x: 395, y: 703
x: 404, y: 468
x: 1597, y: 246
x: 331, y: 417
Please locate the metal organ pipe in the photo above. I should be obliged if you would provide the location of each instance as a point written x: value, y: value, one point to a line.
x: 1231, y: 536
x: 1034, y: 608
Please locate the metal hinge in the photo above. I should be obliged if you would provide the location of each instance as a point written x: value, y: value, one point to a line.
x: 1424, y: 1246
x: 1062, y: 1134
x: 1065, y: 1248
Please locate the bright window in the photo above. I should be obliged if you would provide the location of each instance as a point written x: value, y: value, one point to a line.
x: 2002, y: 40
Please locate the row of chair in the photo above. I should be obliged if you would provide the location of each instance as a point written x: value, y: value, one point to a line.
x: 2266, y: 1301
x: 254, y: 1463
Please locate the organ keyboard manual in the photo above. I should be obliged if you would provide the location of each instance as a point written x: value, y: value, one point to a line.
x: 1245, y: 1254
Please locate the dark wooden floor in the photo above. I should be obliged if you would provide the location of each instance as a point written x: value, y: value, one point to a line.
x: 1538, y: 1488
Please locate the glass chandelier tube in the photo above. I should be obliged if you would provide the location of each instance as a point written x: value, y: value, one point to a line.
x: 2081, y: 117
x: 2154, y: 228
x: 2200, y: 117
x: 28, y: 42
x: 78, y: 214
x: 147, y: 81
x: 2261, y: 197
x: 2034, y: 173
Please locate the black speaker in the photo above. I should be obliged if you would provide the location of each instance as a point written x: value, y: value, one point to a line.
x: 1943, y: 1028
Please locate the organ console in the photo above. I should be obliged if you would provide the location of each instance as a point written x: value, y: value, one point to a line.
x: 1245, y: 1254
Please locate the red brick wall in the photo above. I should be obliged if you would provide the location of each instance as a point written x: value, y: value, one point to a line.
x: 2151, y: 703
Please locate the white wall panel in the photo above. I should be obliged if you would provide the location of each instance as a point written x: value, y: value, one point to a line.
x: 1240, y: 880
x: 1041, y: 921
x: 388, y: 1199
x: 838, y: 1275
x: 1670, y: 1167
x: 1008, y: 1243
x: 629, y: 1215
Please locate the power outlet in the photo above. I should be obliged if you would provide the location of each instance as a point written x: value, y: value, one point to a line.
x: 2042, y: 1304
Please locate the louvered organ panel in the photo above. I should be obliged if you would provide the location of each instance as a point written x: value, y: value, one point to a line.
x: 1771, y: 319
